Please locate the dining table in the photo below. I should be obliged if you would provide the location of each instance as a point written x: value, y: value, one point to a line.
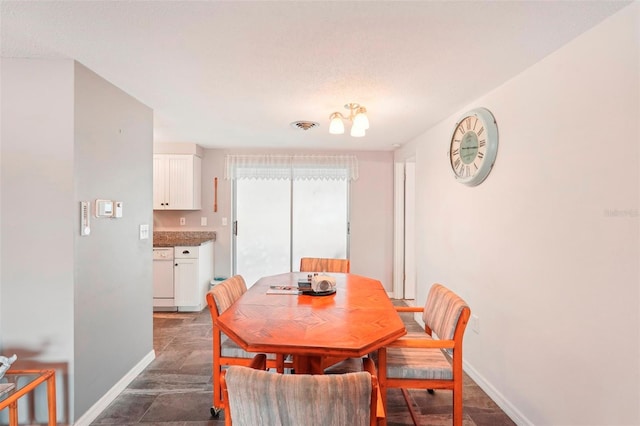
x: 318, y: 330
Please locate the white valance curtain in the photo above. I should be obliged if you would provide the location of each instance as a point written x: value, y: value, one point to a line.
x: 296, y: 167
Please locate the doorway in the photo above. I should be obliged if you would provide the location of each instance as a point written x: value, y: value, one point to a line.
x: 405, y: 276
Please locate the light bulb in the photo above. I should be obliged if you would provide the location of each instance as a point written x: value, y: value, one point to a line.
x: 336, y: 126
x: 361, y: 119
x: 357, y: 131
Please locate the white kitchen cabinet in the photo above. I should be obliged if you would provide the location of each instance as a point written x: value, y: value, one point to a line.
x: 185, y: 277
x: 177, y: 183
x: 163, y: 289
x: 192, y: 273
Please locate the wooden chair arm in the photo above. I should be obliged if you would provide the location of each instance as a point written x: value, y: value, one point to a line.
x: 409, y: 308
x: 225, y: 396
x: 370, y: 367
x: 259, y: 362
x: 422, y: 343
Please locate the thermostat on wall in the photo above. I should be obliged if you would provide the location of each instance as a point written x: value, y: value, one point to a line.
x: 85, y: 227
x: 104, y: 208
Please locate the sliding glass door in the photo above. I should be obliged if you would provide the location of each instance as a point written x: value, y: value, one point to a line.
x: 320, y: 219
x: 262, y: 228
x: 278, y: 221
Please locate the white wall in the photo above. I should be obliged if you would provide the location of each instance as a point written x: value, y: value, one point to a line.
x: 546, y: 250
x: 371, y: 210
x: 371, y: 218
x: 81, y: 305
x: 113, y: 298
x: 36, y: 185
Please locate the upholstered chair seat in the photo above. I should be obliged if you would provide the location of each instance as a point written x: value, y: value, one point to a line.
x: 349, y: 365
x: 429, y: 364
x: 230, y: 349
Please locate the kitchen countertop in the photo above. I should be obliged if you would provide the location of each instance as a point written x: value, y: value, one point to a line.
x: 182, y: 238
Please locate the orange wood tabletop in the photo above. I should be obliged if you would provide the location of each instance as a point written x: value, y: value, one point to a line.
x: 318, y: 330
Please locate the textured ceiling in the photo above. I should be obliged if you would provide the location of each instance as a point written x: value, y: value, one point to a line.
x: 235, y: 74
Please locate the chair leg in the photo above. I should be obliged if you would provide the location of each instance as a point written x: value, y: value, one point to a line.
x: 217, y: 403
x: 457, y: 407
x: 412, y: 412
x: 382, y: 375
x: 280, y: 363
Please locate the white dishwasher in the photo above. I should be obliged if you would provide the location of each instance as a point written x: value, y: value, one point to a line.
x: 163, y: 287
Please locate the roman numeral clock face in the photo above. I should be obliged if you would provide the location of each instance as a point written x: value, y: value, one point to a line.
x: 474, y: 145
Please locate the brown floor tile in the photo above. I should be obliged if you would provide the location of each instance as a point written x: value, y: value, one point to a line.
x: 167, y: 381
x: 180, y: 407
x: 126, y: 409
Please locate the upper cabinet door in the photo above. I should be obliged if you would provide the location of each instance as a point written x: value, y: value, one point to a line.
x: 177, y: 182
x: 160, y: 178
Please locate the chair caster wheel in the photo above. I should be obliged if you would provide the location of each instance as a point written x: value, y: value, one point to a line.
x: 215, y: 412
x: 431, y: 391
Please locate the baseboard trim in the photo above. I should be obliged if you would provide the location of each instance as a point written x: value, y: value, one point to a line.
x: 92, y: 413
x: 502, y: 402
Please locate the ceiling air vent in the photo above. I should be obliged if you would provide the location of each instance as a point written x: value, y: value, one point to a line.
x: 304, y: 125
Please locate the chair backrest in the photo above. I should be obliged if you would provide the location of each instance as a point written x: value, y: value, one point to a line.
x: 322, y: 264
x: 258, y: 397
x: 222, y: 295
x: 443, y: 310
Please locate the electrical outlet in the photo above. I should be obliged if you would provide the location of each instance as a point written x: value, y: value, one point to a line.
x: 203, y: 221
x: 475, y: 324
x: 183, y: 221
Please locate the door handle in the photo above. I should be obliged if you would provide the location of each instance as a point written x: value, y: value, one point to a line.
x: 235, y: 228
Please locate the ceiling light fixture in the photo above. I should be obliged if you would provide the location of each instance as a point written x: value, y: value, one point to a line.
x: 357, y: 116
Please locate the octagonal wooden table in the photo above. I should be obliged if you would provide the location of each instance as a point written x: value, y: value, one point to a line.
x: 318, y: 330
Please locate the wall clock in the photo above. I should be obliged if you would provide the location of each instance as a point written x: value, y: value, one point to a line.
x: 473, y: 147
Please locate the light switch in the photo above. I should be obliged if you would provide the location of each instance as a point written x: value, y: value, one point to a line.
x: 224, y: 221
x: 118, y: 209
x: 144, y: 231
x: 203, y: 221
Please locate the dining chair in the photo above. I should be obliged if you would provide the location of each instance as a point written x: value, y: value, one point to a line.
x: 429, y: 360
x: 257, y: 397
x: 323, y: 264
x: 225, y: 351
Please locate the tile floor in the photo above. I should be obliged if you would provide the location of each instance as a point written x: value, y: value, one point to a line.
x: 175, y: 389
